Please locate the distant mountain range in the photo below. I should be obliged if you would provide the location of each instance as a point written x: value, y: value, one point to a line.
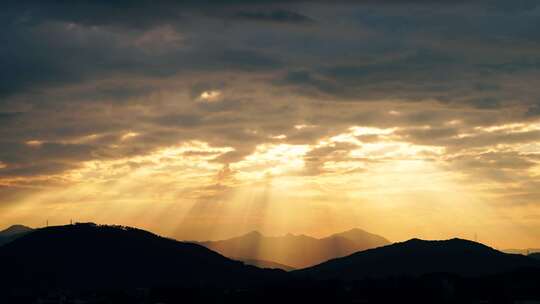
x: 418, y: 257
x: 88, y: 255
x: 13, y: 233
x: 535, y: 255
x: 90, y: 263
x: 295, y: 251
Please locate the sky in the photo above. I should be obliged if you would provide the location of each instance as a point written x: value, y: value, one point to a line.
x: 208, y: 119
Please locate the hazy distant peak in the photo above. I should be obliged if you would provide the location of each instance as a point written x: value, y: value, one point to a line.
x: 355, y: 230
x: 254, y: 233
x: 298, y: 236
x: 359, y: 236
x: 259, y: 235
x: 296, y: 250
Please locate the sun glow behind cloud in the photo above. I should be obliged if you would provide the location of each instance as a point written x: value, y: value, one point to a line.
x: 210, y: 96
x: 182, y: 191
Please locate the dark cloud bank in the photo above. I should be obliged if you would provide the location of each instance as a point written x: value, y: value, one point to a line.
x: 73, y: 69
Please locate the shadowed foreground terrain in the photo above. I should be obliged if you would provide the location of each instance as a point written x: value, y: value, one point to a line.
x: 92, y: 256
x: 535, y: 255
x: 418, y: 257
x: 87, y: 263
x: 12, y: 233
x: 526, y: 251
x: 265, y: 264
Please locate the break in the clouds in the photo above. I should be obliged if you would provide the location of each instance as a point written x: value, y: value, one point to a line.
x: 338, y: 113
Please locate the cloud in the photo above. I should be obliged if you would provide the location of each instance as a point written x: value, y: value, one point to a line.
x: 278, y: 16
x: 316, y: 158
x: 293, y: 77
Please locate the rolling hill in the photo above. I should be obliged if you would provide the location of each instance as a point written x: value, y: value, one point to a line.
x: 13, y: 233
x: 418, y: 257
x: 92, y: 256
x: 297, y: 251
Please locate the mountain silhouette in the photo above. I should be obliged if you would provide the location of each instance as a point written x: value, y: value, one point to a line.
x: 13, y: 233
x: 14, y: 230
x: 265, y: 264
x: 535, y: 255
x: 418, y: 257
x: 93, y: 256
x: 297, y: 251
x: 89, y: 263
